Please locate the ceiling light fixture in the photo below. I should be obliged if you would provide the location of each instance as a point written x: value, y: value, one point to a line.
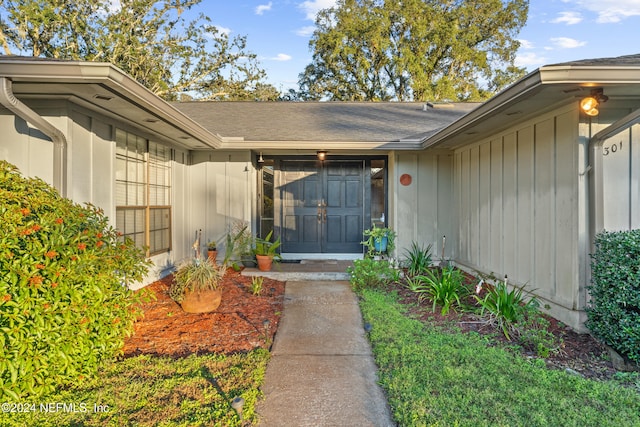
x: 322, y: 155
x: 590, y: 104
x: 260, y: 159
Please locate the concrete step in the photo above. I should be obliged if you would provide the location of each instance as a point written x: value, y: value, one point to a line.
x: 305, y: 270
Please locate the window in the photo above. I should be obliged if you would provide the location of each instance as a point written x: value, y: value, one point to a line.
x: 143, y: 190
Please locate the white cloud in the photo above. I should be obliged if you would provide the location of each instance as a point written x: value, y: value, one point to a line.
x: 261, y: 9
x: 569, y: 18
x: 611, y: 11
x: 281, y: 57
x: 529, y: 60
x: 305, y: 31
x: 566, y: 42
x: 312, y: 7
x: 525, y: 44
x: 224, y: 30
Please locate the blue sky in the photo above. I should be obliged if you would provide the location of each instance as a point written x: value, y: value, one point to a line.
x: 278, y: 31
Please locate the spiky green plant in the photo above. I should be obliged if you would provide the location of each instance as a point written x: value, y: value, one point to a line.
x: 195, y: 275
x: 445, y: 288
x: 418, y: 259
x: 506, y: 307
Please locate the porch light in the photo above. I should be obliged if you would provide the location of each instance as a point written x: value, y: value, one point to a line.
x: 260, y: 159
x: 590, y: 104
x: 322, y: 155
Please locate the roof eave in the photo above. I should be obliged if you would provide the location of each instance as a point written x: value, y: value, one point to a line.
x: 583, y: 75
x: 508, y: 96
x: 325, y: 145
x: 111, y: 77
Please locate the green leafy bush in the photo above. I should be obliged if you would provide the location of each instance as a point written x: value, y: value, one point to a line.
x: 370, y: 273
x: 613, y: 314
x: 64, y: 302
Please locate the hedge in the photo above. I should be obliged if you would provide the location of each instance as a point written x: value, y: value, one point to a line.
x: 613, y: 314
x: 65, y: 306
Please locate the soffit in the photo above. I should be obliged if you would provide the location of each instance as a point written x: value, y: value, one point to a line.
x: 105, y: 89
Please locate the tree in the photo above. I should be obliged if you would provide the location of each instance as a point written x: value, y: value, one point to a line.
x: 414, y: 50
x: 150, y: 40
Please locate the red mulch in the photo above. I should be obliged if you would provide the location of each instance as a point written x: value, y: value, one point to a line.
x: 243, y: 321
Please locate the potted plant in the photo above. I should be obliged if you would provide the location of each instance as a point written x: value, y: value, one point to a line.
x: 212, y: 251
x: 379, y: 240
x: 244, y: 245
x: 196, y: 286
x: 266, y: 251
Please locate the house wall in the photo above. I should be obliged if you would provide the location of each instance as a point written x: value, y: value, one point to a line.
x: 91, y: 173
x: 618, y: 174
x: 222, y: 191
x: 521, y: 206
x: 423, y: 211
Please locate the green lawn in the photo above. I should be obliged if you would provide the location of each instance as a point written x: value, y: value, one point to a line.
x: 153, y: 391
x: 436, y: 378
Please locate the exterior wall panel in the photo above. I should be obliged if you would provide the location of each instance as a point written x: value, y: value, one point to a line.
x: 424, y: 209
x: 521, y: 208
x: 497, y: 169
x: 566, y: 211
x: 525, y: 169
x: 510, y: 205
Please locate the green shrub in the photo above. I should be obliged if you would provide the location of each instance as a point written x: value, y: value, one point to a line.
x: 613, y: 314
x: 445, y: 288
x: 418, y: 259
x: 370, y: 273
x: 507, y: 307
x: 64, y: 302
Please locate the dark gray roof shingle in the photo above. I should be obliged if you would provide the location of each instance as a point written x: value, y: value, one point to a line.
x: 323, y: 121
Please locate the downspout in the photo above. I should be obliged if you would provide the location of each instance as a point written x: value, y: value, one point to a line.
x: 8, y: 100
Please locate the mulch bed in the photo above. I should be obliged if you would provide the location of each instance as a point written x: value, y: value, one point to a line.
x: 243, y: 321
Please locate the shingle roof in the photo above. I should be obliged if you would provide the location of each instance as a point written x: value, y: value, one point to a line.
x: 323, y: 121
x: 632, y: 60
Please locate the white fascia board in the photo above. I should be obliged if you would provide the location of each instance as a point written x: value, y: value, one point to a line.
x: 590, y: 75
x: 317, y: 145
x: 109, y: 76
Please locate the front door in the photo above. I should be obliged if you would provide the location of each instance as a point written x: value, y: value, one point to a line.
x: 322, y: 205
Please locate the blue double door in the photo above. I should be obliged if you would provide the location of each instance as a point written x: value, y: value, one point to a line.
x: 320, y: 207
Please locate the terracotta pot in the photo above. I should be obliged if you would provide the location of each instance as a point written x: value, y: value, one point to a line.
x: 264, y: 262
x: 212, y: 255
x: 201, y: 302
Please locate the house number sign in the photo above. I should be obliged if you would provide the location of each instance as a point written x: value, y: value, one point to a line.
x: 613, y: 148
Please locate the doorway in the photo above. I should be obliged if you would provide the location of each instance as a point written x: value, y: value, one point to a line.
x: 322, y: 207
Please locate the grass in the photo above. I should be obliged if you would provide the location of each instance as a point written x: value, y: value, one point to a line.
x: 436, y: 378
x: 156, y: 391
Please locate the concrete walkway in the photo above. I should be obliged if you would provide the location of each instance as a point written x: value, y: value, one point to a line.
x: 322, y: 371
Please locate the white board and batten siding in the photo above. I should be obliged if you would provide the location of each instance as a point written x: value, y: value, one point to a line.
x: 208, y: 191
x: 518, y: 203
x: 619, y: 178
x: 423, y: 211
x: 221, y: 191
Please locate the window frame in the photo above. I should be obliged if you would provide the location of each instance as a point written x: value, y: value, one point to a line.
x: 156, y: 161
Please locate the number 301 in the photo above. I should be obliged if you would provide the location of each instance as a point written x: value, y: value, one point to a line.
x: 613, y: 148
